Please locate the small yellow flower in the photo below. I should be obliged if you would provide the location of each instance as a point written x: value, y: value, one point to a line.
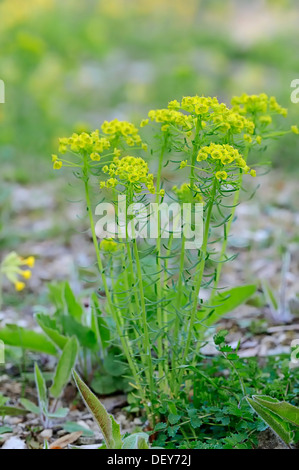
x: 95, y: 157
x: 265, y: 119
x: 248, y: 138
x: 19, y: 285
x: 174, y: 104
x: 221, y: 175
x: 26, y: 274
x: 183, y: 164
x: 57, y: 165
x: 295, y: 129
x: 253, y: 173
x: 258, y: 139
x: 202, y: 156
x: 144, y: 122
x: 162, y: 192
x: 117, y: 152
x: 30, y: 261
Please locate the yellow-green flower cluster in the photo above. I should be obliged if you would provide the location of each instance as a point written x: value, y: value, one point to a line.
x: 185, y: 194
x: 209, y: 110
x: 256, y: 105
x: 126, y: 170
x: 198, y: 105
x: 225, y: 155
x: 82, y: 144
x: 108, y: 245
x: 169, y: 117
x: 90, y: 143
x: 11, y: 267
x: 122, y: 129
x: 94, y: 144
x: 228, y: 120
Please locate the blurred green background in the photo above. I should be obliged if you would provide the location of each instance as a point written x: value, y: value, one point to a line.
x: 69, y: 65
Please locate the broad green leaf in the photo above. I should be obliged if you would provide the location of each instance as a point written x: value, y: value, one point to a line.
x: 113, y: 364
x: 57, y: 338
x: 225, y: 302
x: 64, y: 367
x: 29, y: 406
x: 106, y: 384
x: 105, y: 421
x: 277, y: 424
x: 41, y: 390
x: 86, y: 336
x: 74, y: 308
x: 12, y: 411
x: 136, y: 441
x: 14, y: 335
x: 281, y: 408
x: 174, y: 418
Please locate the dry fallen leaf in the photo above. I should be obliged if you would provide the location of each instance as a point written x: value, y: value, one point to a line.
x: 64, y: 441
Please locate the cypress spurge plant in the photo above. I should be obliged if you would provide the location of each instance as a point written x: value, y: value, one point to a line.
x: 152, y: 281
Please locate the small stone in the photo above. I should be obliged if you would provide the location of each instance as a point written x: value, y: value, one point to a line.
x: 14, y: 443
x: 45, y: 435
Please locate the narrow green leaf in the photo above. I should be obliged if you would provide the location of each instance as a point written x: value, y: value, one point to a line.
x: 116, y: 433
x: 98, y: 410
x: 99, y: 324
x: 277, y: 424
x: 60, y: 413
x: 5, y: 429
x: 269, y: 295
x: 29, y: 406
x: 74, y: 308
x: 41, y: 390
x: 14, y: 335
x: 12, y: 411
x: 70, y: 426
x: 64, y: 367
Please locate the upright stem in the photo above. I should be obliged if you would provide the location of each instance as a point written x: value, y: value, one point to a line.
x: 114, y: 312
x: 147, y: 344
x: 228, y: 228
x: 182, y: 257
x: 161, y: 346
x: 177, y: 317
x: 199, y: 278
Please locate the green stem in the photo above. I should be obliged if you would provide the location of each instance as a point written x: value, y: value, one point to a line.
x: 177, y: 317
x: 115, y: 314
x: 199, y: 277
x: 161, y: 320
x: 147, y: 345
x: 1, y: 293
x: 222, y: 257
